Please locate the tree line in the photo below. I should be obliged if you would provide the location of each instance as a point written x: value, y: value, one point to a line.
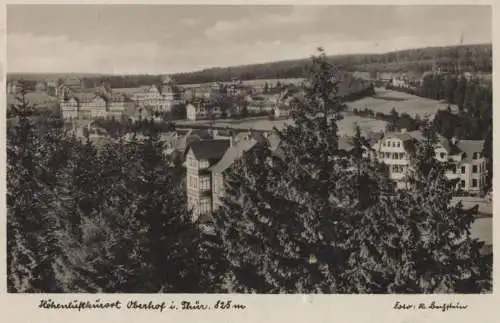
x: 395, y: 121
x: 471, y: 57
x: 476, y: 58
x: 307, y: 218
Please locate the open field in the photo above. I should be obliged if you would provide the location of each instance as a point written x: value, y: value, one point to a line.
x: 385, y: 100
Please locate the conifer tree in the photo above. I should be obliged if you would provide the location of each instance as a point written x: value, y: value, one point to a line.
x: 287, y: 219
x: 416, y: 241
x: 38, y: 237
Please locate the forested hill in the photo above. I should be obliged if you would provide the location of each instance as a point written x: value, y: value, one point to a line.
x: 471, y: 57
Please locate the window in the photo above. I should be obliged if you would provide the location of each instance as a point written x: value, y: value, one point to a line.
x: 397, y: 168
x: 462, y: 183
x: 401, y: 155
x: 474, y: 168
x: 398, y: 144
x: 442, y: 155
x: 475, y: 155
x: 393, y: 144
x: 205, y: 206
x: 395, y: 155
x: 474, y: 183
x: 463, y: 169
x: 205, y: 183
x: 383, y: 143
x: 193, y: 182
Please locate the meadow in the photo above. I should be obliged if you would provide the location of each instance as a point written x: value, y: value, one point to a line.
x: 385, y: 100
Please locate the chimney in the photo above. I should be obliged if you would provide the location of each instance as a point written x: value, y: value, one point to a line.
x: 403, y: 130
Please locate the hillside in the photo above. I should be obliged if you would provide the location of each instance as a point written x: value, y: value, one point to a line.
x: 476, y: 58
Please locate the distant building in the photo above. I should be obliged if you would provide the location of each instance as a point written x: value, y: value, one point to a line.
x: 385, y: 77
x: 73, y: 83
x: 282, y: 111
x: 88, y: 106
x: 12, y: 87
x: 70, y: 109
x: 158, y: 99
x: 196, y: 110
x: 40, y: 87
x: 362, y: 75
x: 118, y: 105
x: 52, y: 89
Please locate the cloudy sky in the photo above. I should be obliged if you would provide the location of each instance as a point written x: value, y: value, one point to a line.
x: 168, y: 39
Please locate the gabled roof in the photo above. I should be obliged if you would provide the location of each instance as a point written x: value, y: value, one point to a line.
x: 274, y: 140
x: 445, y: 143
x: 374, y: 137
x: 232, y: 154
x: 209, y: 149
x: 403, y: 136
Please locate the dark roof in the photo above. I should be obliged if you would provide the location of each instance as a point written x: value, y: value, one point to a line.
x: 232, y: 154
x: 209, y: 149
x: 274, y: 140
x: 417, y: 134
x: 374, y: 137
x: 403, y: 136
x: 190, y: 136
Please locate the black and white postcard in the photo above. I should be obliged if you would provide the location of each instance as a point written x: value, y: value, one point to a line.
x: 249, y: 162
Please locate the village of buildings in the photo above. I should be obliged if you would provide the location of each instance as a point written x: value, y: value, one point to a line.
x: 207, y: 152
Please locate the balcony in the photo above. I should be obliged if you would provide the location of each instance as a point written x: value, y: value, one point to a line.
x: 206, y: 193
x: 204, y: 171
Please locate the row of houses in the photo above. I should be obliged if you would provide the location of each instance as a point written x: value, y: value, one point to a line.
x: 208, y: 159
x: 277, y: 104
x: 109, y: 103
x: 255, y: 105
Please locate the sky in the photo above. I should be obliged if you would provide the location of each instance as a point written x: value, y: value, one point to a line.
x: 156, y: 39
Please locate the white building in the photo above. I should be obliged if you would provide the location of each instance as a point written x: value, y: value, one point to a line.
x: 282, y: 111
x: 196, y: 110
x: 393, y: 149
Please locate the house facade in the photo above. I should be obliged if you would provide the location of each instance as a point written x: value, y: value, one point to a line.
x: 69, y: 109
x: 282, y: 111
x: 118, y: 105
x: 12, y: 87
x: 196, y: 110
x: 200, y: 157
